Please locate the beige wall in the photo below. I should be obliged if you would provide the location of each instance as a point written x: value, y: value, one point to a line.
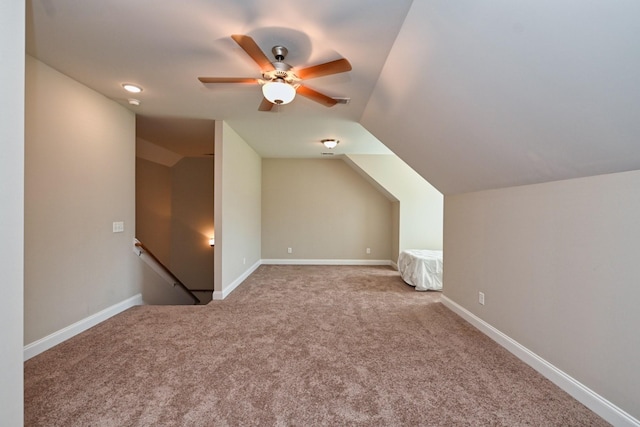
x: 174, y: 217
x: 395, y: 230
x: 421, y: 205
x: 153, y: 208
x: 558, y: 264
x: 153, y: 229
x: 79, y: 179
x: 236, y: 208
x: 192, y: 221
x: 157, y: 291
x: 11, y: 210
x: 323, y: 210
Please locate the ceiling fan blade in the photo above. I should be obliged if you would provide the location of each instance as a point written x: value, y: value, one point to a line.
x: 333, y: 67
x: 227, y: 80
x: 252, y: 49
x: 265, y: 105
x: 316, y: 96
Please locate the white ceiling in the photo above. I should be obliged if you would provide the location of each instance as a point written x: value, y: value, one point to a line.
x: 472, y: 94
x: 184, y: 136
x: 499, y: 93
x: 164, y: 46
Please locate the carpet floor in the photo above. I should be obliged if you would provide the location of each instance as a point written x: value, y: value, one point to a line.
x: 294, y: 345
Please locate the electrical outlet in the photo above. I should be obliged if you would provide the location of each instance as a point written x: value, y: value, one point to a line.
x: 368, y: 250
x: 481, y: 298
x: 244, y: 261
x: 289, y: 250
x: 118, y: 227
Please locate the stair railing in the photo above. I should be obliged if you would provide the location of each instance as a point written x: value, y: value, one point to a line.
x: 141, y: 249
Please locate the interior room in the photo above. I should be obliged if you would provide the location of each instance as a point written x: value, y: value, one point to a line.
x: 503, y: 134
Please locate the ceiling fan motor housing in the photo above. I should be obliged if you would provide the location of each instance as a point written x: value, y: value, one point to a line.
x: 280, y: 52
x: 281, y: 71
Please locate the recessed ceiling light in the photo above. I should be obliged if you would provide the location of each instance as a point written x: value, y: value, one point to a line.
x: 133, y: 101
x: 131, y: 88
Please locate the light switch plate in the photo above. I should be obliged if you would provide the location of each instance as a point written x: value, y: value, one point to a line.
x: 118, y: 227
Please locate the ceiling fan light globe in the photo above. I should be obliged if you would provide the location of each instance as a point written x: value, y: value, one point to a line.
x: 278, y: 92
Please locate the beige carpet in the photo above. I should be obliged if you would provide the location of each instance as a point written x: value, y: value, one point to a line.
x: 294, y: 345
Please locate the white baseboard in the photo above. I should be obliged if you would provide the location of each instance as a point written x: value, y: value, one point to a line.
x: 220, y: 295
x: 43, y: 344
x: 326, y: 262
x: 601, y: 406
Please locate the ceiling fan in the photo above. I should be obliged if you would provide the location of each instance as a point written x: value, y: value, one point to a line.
x: 280, y: 82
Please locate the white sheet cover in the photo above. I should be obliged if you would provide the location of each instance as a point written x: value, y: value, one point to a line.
x: 421, y: 268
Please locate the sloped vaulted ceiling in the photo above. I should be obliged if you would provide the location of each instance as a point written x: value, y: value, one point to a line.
x: 473, y: 94
x: 487, y: 94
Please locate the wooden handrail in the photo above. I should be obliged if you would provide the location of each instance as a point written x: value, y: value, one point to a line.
x: 164, y: 268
